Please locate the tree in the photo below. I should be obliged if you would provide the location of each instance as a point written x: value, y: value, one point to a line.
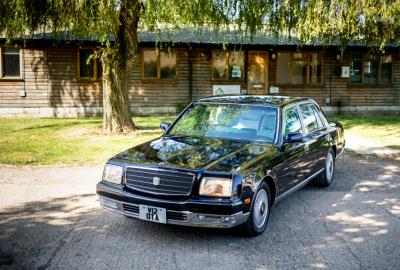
x: 115, y: 24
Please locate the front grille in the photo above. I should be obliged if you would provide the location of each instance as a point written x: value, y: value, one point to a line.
x: 134, y: 209
x: 176, y: 215
x: 131, y: 208
x: 170, y: 182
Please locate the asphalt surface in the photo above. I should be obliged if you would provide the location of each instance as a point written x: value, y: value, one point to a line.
x: 50, y: 219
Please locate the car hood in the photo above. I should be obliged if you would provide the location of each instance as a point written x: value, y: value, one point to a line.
x: 195, y: 153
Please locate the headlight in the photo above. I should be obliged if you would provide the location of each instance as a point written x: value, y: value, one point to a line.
x: 113, y: 173
x: 216, y: 187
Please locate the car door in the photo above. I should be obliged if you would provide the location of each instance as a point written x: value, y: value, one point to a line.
x: 295, y: 166
x: 316, y: 136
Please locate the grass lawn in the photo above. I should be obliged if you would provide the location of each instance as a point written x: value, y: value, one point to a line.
x: 384, y: 130
x: 67, y: 141
x: 35, y: 141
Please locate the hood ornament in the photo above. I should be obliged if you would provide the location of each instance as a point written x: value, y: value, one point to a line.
x: 156, y: 181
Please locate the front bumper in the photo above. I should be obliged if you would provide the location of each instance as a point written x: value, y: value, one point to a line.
x: 198, y: 213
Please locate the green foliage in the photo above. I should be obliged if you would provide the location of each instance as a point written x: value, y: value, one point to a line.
x: 375, y: 21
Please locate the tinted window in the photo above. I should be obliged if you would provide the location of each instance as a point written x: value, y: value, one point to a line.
x: 356, y: 68
x: 386, y: 69
x: 86, y: 63
x: 150, y: 64
x: 318, y: 116
x: 309, y: 118
x: 243, y: 122
x: 167, y: 65
x: 11, y: 62
x: 283, y: 67
x: 292, y: 122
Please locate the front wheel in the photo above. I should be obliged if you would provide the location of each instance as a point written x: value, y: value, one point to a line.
x: 326, y: 177
x: 259, y: 213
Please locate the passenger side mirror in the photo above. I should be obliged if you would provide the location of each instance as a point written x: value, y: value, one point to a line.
x: 294, y: 137
x: 164, y: 126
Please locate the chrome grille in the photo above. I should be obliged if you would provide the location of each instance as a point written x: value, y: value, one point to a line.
x: 169, y: 182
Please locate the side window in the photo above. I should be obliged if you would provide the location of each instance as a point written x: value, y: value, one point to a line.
x: 309, y: 118
x: 292, y: 122
x: 318, y: 116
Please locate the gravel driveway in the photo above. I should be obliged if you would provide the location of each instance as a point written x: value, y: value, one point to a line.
x: 50, y: 219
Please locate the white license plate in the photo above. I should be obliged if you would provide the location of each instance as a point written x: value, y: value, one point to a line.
x: 154, y: 214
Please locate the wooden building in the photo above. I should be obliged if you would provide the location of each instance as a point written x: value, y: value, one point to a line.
x: 51, y: 76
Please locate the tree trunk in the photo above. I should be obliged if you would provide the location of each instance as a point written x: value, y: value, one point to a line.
x: 117, y: 61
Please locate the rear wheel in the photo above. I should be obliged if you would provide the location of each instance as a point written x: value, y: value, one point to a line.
x: 259, y: 213
x: 327, y: 175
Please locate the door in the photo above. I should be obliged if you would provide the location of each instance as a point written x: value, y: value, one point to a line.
x: 295, y: 167
x: 257, y: 73
x: 317, y: 138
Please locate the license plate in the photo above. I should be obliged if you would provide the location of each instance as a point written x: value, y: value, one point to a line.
x: 154, y: 214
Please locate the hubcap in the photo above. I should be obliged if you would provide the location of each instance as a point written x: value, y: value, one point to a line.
x: 260, y: 208
x: 329, y: 166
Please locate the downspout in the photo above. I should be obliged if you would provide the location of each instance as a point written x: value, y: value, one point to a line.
x: 190, y: 74
x: 330, y: 83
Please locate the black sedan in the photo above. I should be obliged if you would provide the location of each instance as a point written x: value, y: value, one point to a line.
x: 224, y: 162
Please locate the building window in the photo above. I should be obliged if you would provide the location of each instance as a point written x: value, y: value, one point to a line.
x: 89, y: 67
x: 160, y: 65
x: 371, y: 70
x: 299, y: 68
x: 257, y: 69
x: 10, y: 65
x: 227, y: 65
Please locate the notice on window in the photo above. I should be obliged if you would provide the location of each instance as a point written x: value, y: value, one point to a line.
x: 226, y: 89
x: 236, y: 72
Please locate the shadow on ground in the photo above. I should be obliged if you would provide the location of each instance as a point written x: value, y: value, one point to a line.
x: 353, y: 224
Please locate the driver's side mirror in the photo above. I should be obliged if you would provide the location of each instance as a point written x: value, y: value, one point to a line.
x: 164, y: 126
x: 294, y: 137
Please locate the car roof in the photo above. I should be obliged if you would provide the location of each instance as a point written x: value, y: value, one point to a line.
x: 277, y: 101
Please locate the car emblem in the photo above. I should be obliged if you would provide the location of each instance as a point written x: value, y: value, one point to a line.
x: 156, y: 181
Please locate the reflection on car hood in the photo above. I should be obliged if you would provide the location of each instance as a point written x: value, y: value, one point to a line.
x: 195, y: 153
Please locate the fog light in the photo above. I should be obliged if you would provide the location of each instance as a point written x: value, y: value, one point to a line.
x: 109, y: 203
x: 228, y: 220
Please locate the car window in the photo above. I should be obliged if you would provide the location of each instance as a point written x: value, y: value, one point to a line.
x: 317, y: 115
x: 292, y: 122
x: 309, y: 118
x: 321, y: 116
x: 230, y: 121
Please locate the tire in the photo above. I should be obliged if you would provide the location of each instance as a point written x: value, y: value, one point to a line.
x: 327, y: 175
x: 259, y: 213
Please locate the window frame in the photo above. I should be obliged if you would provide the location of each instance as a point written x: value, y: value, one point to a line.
x: 364, y: 58
x: 308, y: 71
x: 19, y: 77
x: 96, y: 76
x: 285, y: 109
x: 158, y: 78
x: 227, y: 56
x: 313, y: 104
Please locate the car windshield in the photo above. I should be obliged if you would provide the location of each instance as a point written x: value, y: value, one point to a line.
x: 228, y: 121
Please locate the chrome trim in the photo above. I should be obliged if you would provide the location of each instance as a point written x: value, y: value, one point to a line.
x: 299, y: 186
x: 210, y: 221
x: 340, y: 154
x: 158, y: 170
x: 141, y: 197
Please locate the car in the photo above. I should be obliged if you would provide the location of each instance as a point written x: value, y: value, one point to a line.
x: 224, y: 162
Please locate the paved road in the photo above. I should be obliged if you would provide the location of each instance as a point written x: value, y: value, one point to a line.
x: 50, y: 219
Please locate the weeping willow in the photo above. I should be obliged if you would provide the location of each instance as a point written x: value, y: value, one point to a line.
x: 338, y: 22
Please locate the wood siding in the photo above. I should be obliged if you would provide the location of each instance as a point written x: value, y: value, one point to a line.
x: 50, y: 78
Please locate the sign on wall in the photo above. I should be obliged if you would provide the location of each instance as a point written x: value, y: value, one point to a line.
x: 274, y: 90
x: 345, y: 72
x: 226, y: 89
